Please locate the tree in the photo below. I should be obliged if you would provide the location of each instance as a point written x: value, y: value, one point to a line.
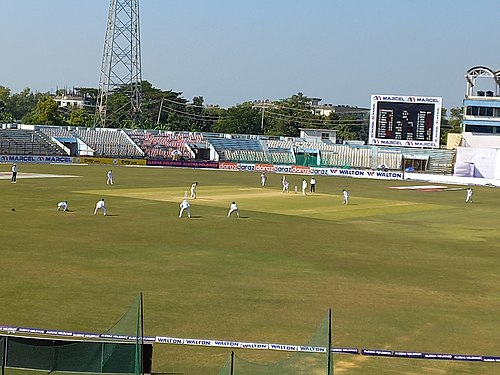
x: 240, y: 119
x: 345, y: 132
x: 118, y: 110
x: 19, y: 105
x: 45, y: 113
x: 199, y: 118
x: 80, y: 117
x: 349, y: 125
x: 287, y: 116
x: 5, y: 116
x: 456, y: 117
x: 451, y: 124
x: 4, y: 94
x: 159, y: 109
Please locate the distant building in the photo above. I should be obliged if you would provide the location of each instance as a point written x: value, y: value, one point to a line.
x: 478, y: 153
x: 318, y: 135
x: 482, y: 107
x: 70, y: 101
x: 327, y: 109
x: 320, y: 109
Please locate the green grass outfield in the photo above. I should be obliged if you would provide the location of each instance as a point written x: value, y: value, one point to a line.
x: 402, y: 269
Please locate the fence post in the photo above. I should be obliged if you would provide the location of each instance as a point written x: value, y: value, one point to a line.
x: 4, y: 355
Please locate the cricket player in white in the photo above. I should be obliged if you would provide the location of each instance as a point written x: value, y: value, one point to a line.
x: 468, y: 199
x: 109, y: 181
x: 193, y: 190
x: 185, y: 206
x: 263, y: 179
x: 304, y: 186
x: 285, y: 185
x: 346, y: 197
x: 100, y: 206
x: 62, y: 206
x: 233, y: 208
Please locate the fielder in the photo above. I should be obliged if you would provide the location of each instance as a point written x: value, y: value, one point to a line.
x: 285, y: 185
x: 263, y: 179
x: 468, y: 198
x: 109, y: 175
x: 185, y: 206
x: 193, y: 190
x: 62, y: 206
x: 346, y: 197
x: 304, y: 186
x: 233, y: 208
x: 100, y: 206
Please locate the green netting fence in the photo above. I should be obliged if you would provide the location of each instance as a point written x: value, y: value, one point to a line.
x: 131, y: 324
x: 307, y: 159
x: 84, y: 356
x: 2, y: 354
x: 298, y: 363
x: 62, y: 355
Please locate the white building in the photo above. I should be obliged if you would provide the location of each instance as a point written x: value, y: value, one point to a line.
x: 70, y: 101
x: 318, y: 135
x: 479, y: 152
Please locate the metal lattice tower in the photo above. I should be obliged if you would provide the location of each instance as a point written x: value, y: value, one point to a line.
x: 121, y: 59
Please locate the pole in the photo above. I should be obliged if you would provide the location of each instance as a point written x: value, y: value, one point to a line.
x: 403, y: 163
x: 142, y: 336
x: 159, y: 112
x: 4, y: 355
x: 262, y: 121
x: 329, y: 361
x: 232, y: 363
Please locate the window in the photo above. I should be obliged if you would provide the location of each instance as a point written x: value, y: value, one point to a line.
x: 483, y: 111
x: 479, y: 129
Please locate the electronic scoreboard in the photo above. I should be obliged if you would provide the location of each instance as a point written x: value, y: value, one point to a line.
x: 412, y: 121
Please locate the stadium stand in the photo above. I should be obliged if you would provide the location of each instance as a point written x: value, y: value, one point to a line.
x: 28, y: 142
x: 161, y: 144
x: 108, y: 142
x: 347, y: 157
x: 238, y: 148
x: 157, y: 144
x: 280, y: 153
x: 56, y: 131
x: 102, y: 142
x: 365, y: 156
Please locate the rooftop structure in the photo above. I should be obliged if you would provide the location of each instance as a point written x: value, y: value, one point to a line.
x: 482, y: 102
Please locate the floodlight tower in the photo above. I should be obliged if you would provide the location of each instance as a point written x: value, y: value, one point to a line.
x: 121, y: 59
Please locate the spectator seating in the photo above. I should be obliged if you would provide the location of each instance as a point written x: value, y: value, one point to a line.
x: 108, y: 142
x: 159, y: 144
x: 281, y: 152
x: 27, y: 142
x: 237, y: 148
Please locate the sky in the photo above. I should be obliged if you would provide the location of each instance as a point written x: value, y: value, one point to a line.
x: 232, y: 51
